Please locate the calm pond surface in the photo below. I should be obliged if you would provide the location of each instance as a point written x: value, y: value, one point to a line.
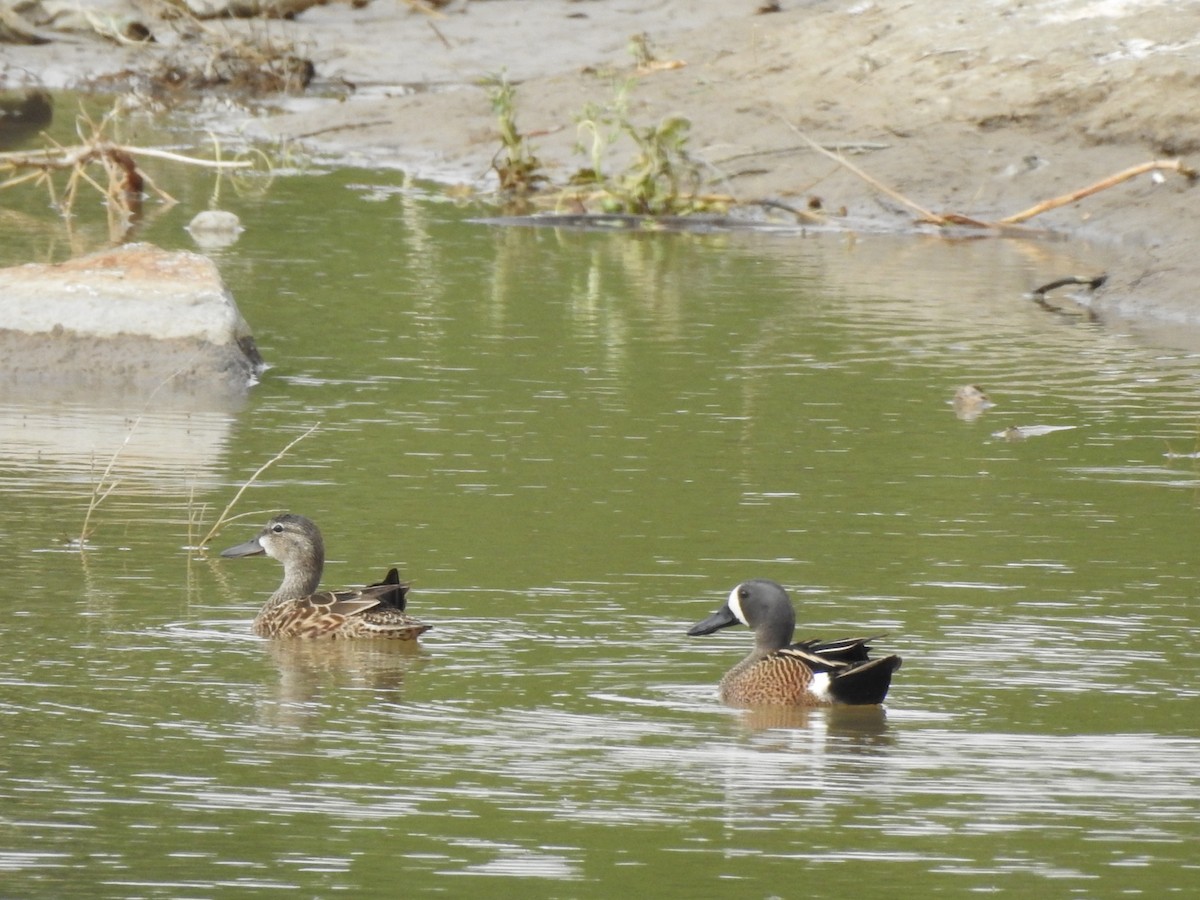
x: 574, y: 444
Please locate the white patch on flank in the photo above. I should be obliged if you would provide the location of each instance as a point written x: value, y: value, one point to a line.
x: 735, y: 606
x: 819, y: 686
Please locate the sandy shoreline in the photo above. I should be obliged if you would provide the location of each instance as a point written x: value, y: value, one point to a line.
x: 980, y: 108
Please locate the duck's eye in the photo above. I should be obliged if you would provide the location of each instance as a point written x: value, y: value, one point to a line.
x: 743, y: 593
x: 277, y: 528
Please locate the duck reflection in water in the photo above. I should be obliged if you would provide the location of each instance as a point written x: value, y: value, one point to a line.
x: 367, y: 675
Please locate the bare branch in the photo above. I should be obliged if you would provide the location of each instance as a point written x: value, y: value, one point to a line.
x: 222, y: 518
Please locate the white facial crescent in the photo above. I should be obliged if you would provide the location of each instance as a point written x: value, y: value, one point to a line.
x: 735, y: 606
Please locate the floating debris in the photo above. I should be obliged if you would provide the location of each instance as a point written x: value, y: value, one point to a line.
x: 1020, y: 433
x: 1090, y: 283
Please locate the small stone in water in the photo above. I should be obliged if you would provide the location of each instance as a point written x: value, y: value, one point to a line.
x: 215, y: 228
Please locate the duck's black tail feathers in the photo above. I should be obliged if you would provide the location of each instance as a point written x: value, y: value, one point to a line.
x: 394, y: 599
x: 864, y: 682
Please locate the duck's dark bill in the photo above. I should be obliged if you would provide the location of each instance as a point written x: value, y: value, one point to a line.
x: 722, y: 618
x: 250, y: 548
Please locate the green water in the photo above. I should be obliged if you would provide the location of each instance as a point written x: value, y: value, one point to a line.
x: 574, y: 445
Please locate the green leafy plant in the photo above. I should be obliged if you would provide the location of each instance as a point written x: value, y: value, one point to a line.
x: 661, y: 178
x: 515, y: 163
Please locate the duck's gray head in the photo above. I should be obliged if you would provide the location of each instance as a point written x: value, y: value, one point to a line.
x: 289, y: 538
x: 762, y: 606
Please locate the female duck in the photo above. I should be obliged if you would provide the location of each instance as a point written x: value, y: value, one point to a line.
x: 298, y: 609
x: 780, y: 673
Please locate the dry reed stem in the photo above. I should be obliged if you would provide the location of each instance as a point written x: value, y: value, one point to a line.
x: 99, y: 492
x: 21, y: 179
x: 222, y: 518
x: 1170, y: 165
x: 1009, y: 222
x: 61, y: 157
x: 873, y: 182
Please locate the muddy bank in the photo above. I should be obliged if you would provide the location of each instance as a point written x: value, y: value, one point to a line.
x: 980, y: 108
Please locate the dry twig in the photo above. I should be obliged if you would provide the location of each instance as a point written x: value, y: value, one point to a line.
x: 124, y: 180
x: 942, y: 220
x: 1158, y: 165
x: 223, y: 517
x: 878, y: 185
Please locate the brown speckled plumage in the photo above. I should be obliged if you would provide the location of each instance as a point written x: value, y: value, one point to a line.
x: 298, y: 610
x: 773, y: 680
x: 780, y: 673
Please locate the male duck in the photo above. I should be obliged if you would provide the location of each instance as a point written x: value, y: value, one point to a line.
x: 780, y: 673
x: 298, y: 609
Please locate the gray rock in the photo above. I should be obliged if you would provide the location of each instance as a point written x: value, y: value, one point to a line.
x: 215, y: 228
x: 137, y: 316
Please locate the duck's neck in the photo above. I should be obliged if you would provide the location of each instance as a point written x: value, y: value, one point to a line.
x: 299, y: 580
x: 766, y: 644
x: 775, y: 634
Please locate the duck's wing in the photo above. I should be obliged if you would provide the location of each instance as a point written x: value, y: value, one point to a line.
x: 855, y: 678
x: 322, y: 614
x: 839, y: 652
x: 376, y: 611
